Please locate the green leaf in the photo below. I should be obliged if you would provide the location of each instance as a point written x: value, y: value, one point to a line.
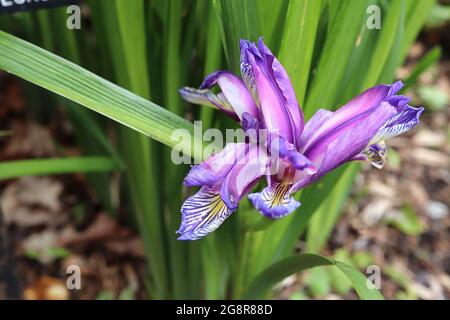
x: 385, y: 42
x: 339, y: 43
x: 417, y: 14
x: 47, y: 70
x: 439, y: 15
x: 140, y: 153
x: 311, y: 198
x: 291, y: 265
x: 319, y: 282
x: 127, y: 293
x: 326, y: 216
x: 297, y: 44
x: 429, y: 59
x: 238, y: 19
x: 19, y: 168
x: 58, y: 252
x: 273, y: 16
x: 407, y: 221
x: 433, y: 97
x: 105, y: 295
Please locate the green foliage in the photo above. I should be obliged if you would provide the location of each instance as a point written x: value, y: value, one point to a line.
x: 147, y: 49
x: 73, y: 82
x: 434, y: 97
x: 407, y: 221
x: 280, y: 270
x: 19, y: 168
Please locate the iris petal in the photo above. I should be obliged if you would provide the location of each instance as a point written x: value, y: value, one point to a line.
x: 348, y: 116
x: 206, y: 97
x: 234, y: 91
x: 276, y: 97
x: 246, y: 70
x: 349, y: 144
x: 243, y: 175
x: 234, y: 98
x: 401, y: 122
x: 314, y: 124
x: 212, y: 170
x: 202, y: 213
x: 274, y: 201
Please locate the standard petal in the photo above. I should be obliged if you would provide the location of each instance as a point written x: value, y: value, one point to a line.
x: 284, y: 84
x: 234, y: 90
x: 314, y: 124
x: 274, y: 201
x: 206, y: 97
x: 243, y: 175
x: 212, y: 170
x: 275, y: 94
x: 202, y: 213
x: 348, y: 145
x: 348, y: 116
x: 246, y: 70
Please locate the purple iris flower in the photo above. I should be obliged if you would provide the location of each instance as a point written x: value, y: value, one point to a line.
x: 303, y: 153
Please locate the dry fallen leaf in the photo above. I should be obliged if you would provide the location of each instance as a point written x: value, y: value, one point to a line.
x: 375, y: 210
x: 39, y: 243
x: 132, y: 246
x: 381, y: 189
x: 431, y: 157
x: 29, y: 139
x: 103, y: 227
x: 429, y: 138
x: 32, y: 201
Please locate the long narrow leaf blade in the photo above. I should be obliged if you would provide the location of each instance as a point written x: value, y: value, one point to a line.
x: 75, y: 83
x: 286, y: 267
x: 33, y: 167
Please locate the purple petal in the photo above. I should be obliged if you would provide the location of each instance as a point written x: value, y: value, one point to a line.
x: 202, y: 213
x: 274, y: 90
x: 300, y: 162
x: 281, y: 78
x: 243, y: 175
x: 246, y: 70
x: 274, y: 201
x: 234, y: 90
x: 207, y: 98
x: 346, y: 118
x: 249, y: 122
x: 212, y: 170
x: 401, y: 122
x: 349, y: 144
x: 280, y: 148
x: 314, y: 124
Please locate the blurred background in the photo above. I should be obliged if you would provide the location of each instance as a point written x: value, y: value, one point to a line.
x: 397, y: 218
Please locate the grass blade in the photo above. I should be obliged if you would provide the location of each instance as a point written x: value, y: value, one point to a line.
x: 385, y: 42
x: 77, y: 84
x: 297, y: 44
x: 238, y: 19
x: 34, y: 167
x: 139, y: 152
x: 280, y: 270
x: 339, y: 43
x: 430, y: 58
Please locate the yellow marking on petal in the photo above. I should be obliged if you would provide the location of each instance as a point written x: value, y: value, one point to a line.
x: 280, y: 194
x: 215, y: 208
